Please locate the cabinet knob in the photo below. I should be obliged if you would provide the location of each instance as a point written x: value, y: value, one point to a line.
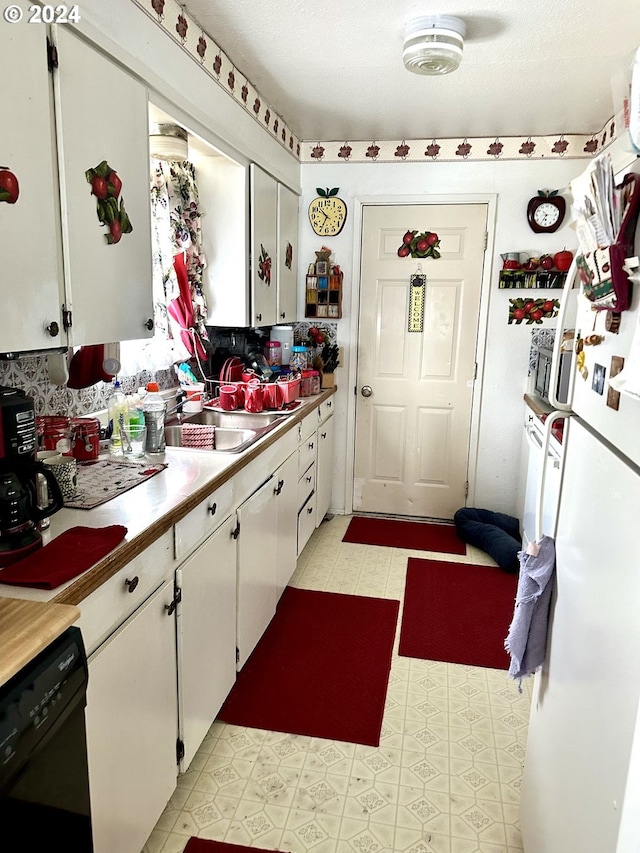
x: 283, y: 315
x: 149, y: 324
x: 309, y: 479
x: 259, y: 317
x: 323, y: 435
x: 310, y: 445
x: 309, y: 510
x: 212, y: 509
x: 53, y: 329
x: 329, y: 404
x: 278, y: 488
x: 132, y: 583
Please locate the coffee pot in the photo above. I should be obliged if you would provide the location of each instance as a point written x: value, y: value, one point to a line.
x: 511, y: 261
x: 19, y: 473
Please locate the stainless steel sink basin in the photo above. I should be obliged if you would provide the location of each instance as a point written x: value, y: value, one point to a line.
x: 235, y: 431
x: 237, y: 420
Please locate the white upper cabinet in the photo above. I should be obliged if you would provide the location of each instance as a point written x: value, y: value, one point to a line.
x: 264, y: 201
x: 102, y: 117
x: 31, y: 268
x: 287, y: 302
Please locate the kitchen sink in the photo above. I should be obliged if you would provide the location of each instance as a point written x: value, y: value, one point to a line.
x: 235, y: 431
x: 236, y: 420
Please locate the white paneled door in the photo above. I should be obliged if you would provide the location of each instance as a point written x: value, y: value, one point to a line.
x: 414, y: 388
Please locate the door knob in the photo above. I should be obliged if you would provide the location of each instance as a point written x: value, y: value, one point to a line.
x: 366, y: 390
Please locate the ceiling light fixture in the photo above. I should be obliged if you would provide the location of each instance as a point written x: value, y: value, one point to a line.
x: 168, y: 142
x: 433, y: 45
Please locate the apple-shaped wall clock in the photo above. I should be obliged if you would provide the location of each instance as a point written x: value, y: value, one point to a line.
x: 546, y: 211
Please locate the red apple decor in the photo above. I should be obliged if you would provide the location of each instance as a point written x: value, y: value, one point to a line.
x: 546, y: 262
x: 424, y: 245
x: 562, y: 260
x: 105, y: 186
x: 532, y: 310
x: 9, y: 189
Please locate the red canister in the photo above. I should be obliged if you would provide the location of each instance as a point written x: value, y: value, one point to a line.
x: 85, y: 438
x: 54, y: 433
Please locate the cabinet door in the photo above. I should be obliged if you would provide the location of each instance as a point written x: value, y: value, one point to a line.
x: 206, y: 635
x: 31, y: 280
x: 324, y: 469
x: 287, y: 514
x: 132, y: 723
x: 263, y: 247
x: 102, y: 115
x: 257, y: 554
x: 287, y: 296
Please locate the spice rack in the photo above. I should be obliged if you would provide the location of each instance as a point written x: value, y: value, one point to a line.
x: 323, y: 295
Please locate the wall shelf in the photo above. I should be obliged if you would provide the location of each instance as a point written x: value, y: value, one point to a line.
x: 323, y: 296
x: 532, y: 279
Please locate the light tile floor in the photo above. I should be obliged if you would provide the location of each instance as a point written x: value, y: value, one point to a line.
x: 445, y: 778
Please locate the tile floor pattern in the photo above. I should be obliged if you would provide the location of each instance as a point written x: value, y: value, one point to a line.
x: 445, y: 778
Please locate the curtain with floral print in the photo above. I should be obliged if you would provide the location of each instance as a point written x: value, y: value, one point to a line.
x: 175, y: 212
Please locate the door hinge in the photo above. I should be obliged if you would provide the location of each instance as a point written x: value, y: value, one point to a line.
x: 67, y: 318
x: 466, y: 489
x: 237, y: 655
x: 475, y: 370
x: 179, y: 750
x: 52, y: 55
x: 486, y: 239
x: 236, y: 531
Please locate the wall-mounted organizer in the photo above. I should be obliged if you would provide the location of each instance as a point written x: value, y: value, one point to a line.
x: 323, y: 297
x: 532, y: 279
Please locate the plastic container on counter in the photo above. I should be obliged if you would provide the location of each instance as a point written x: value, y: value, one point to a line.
x: 283, y: 334
x: 309, y: 383
x: 273, y: 353
x: 154, y: 408
x: 298, y: 361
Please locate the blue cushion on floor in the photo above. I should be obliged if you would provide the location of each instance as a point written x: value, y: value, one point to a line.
x: 495, y: 533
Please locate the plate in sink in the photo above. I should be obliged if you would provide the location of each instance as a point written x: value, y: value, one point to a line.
x: 289, y: 409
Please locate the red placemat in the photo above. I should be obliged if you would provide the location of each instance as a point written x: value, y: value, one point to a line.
x: 66, y: 557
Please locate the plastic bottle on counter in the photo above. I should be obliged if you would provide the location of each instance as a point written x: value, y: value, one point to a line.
x: 117, y: 409
x: 136, y: 414
x: 154, y: 408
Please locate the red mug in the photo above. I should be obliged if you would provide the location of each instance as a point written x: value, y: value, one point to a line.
x: 254, y: 397
x: 273, y: 396
x: 229, y: 398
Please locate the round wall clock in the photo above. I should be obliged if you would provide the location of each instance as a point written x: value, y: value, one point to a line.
x: 327, y: 213
x: 545, y: 211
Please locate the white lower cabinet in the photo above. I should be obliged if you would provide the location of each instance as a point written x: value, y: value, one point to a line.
x: 132, y: 724
x: 286, y: 512
x: 206, y: 635
x: 324, y: 468
x: 257, y: 555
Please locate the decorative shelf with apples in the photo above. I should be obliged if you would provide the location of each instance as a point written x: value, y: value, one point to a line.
x: 545, y: 273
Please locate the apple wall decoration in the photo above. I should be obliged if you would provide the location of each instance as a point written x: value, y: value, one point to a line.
x: 9, y: 188
x: 105, y: 186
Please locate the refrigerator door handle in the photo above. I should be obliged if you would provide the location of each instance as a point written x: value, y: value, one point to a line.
x: 555, y: 358
x: 552, y: 417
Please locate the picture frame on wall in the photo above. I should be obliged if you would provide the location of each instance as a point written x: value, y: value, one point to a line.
x: 322, y: 268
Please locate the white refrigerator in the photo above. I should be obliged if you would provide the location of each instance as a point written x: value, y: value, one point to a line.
x: 581, y: 781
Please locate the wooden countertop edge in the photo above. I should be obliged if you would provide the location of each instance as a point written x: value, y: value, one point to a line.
x: 123, y: 554
x: 537, y: 405
x: 26, y: 628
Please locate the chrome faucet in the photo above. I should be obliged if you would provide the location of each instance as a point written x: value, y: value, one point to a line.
x: 177, y: 410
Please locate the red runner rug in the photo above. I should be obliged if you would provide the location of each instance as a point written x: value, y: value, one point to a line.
x: 396, y: 533
x: 203, y: 845
x: 457, y: 612
x: 321, y: 668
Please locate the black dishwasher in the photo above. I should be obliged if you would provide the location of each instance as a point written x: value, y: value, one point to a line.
x: 44, y: 780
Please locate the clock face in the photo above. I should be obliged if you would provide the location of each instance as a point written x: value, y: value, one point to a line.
x: 545, y: 213
x: 327, y: 215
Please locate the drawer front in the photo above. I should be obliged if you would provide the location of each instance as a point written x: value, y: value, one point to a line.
x: 306, y: 522
x: 307, y: 426
x: 326, y: 409
x: 307, y: 453
x: 307, y: 484
x: 203, y: 520
x: 113, y: 602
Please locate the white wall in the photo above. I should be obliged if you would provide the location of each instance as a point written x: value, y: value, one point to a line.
x: 494, y: 484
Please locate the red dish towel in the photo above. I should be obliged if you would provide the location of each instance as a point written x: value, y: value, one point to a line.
x: 69, y: 555
x: 199, y: 436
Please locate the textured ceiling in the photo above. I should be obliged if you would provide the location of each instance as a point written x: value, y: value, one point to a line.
x: 333, y: 70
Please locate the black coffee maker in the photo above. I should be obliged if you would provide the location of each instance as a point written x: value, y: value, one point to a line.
x: 19, y: 470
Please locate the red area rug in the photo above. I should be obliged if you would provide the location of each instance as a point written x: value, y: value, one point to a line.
x: 320, y: 669
x: 457, y: 612
x: 203, y: 845
x: 396, y: 533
